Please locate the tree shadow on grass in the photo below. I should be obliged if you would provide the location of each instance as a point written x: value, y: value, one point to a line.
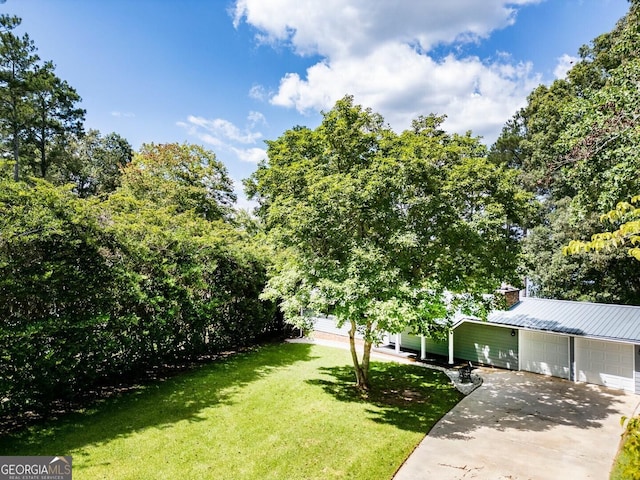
x: 160, y: 404
x: 407, y: 396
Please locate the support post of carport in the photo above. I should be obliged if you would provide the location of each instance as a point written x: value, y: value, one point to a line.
x: 398, y: 340
x: 451, y: 346
x: 573, y: 376
x: 423, y: 347
x: 636, y: 368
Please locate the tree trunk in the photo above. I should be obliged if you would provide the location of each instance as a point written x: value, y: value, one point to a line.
x: 362, y: 370
x: 43, y: 145
x: 16, y: 158
x: 366, y: 354
x: 15, y: 125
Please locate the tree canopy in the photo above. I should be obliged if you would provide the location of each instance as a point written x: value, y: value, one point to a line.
x: 187, y: 177
x: 94, y: 163
x: 373, y: 226
x: 39, y: 112
x: 99, y: 287
x: 575, y: 146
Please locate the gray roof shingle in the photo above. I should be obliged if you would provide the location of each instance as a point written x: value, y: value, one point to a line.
x: 597, y: 320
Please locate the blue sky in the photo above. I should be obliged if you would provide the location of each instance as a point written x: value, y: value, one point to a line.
x: 229, y: 74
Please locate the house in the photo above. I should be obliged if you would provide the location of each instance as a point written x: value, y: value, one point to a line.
x: 579, y: 341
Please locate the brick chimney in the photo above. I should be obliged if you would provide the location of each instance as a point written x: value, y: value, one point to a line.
x: 511, y: 294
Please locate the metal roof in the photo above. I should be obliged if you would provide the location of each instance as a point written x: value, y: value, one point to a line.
x: 597, y: 320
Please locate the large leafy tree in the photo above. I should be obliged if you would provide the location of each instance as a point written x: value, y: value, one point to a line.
x: 94, y: 163
x: 374, y: 227
x: 185, y: 177
x: 575, y: 146
x: 198, y: 277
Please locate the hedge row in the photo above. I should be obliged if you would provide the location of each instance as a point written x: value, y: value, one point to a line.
x: 91, y: 291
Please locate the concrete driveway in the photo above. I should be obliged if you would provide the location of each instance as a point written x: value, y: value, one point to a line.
x: 524, y: 426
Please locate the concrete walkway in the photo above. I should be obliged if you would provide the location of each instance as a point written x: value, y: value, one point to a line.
x: 524, y: 426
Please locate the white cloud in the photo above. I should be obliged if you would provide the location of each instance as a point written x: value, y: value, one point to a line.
x: 224, y: 129
x: 334, y: 28
x: 122, y: 114
x: 256, y: 118
x: 474, y: 95
x: 258, y: 92
x: 379, y: 51
x: 224, y: 135
x: 565, y: 63
x: 251, y: 155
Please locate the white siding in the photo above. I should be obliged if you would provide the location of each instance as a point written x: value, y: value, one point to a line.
x: 328, y: 325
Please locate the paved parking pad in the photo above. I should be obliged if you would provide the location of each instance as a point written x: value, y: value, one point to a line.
x: 524, y: 426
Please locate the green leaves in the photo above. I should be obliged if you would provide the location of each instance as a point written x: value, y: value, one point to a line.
x: 625, y: 214
x: 185, y: 177
x: 364, y: 217
x: 106, y: 287
x: 627, y: 463
x: 94, y: 163
x: 575, y: 147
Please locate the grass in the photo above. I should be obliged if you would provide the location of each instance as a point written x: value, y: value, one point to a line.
x: 626, y: 465
x: 282, y: 411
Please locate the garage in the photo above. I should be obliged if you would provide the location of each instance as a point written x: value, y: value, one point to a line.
x: 544, y: 353
x: 605, y: 363
x: 579, y: 341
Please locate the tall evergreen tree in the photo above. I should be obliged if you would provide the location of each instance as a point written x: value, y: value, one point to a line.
x: 54, y: 117
x: 17, y: 61
x: 38, y: 110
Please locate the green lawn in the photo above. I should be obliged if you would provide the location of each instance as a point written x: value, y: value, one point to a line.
x: 627, y: 463
x: 281, y: 412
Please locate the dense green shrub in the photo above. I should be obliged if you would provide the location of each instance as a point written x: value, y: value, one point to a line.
x: 627, y: 463
x: 92, y: 290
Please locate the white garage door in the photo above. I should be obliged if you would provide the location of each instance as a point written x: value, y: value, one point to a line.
x: 605, y: 363
x: 544, y: 353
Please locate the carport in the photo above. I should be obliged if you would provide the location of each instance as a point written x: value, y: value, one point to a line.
x: 579, y: 341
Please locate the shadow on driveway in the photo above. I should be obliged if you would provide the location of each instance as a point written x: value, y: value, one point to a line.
x: 520, y: 425
x: 532, y: 402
